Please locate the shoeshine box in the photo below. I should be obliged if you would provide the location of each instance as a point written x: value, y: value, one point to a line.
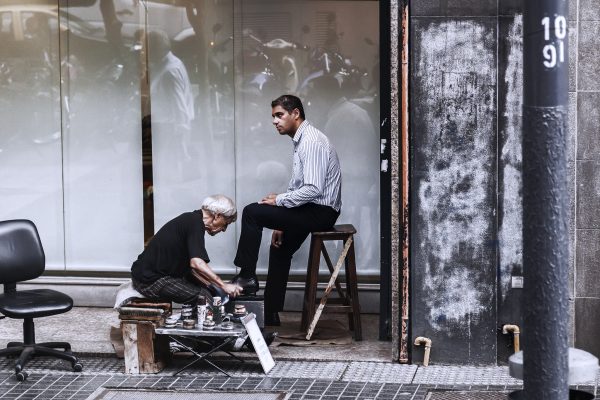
x: 254, y: 304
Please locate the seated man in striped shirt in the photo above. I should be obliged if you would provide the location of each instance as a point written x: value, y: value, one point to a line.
x: 311, y: 203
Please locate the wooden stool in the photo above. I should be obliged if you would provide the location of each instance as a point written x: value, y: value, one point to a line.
x: 348, y: 299
x: 145, y: 352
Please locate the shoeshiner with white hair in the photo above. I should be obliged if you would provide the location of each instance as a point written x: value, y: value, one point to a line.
x: 174, y: 264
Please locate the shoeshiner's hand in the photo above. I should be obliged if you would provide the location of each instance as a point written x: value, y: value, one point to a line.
x: 232, y: 289
x: 277, y: 238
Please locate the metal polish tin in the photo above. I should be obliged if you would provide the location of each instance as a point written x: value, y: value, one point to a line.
x: 189, y: 323
x: 227, y: 326
x: 208, y: 324
x: 186, y: 311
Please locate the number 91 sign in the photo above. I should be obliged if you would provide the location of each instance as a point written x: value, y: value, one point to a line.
x: 554, y: 34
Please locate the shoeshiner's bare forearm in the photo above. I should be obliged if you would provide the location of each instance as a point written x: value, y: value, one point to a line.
x: 204, y: 274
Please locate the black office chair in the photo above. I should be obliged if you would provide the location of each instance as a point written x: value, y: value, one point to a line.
x: 22, y: 258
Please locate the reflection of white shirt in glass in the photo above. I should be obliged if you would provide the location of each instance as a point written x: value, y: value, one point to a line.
x: 171, y: 93
x: 351, y: 131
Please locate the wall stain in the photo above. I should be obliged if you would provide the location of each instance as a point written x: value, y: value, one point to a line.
x: 511, y: 225
x: 454, y: 203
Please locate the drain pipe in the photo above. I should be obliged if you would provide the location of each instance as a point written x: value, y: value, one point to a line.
x: 420, y: 340
x: 514, y: 329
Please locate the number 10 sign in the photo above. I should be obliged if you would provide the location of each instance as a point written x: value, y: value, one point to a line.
x: 555, y: 31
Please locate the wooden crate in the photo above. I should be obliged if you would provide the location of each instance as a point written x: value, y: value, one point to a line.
x: 145, y: 352
x: 146, y: 310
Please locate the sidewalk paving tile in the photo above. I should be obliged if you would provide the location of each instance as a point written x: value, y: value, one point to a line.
x: 464, y: 375
x: 302, y: 380
x: 285, y: 384
x: 379, y: 372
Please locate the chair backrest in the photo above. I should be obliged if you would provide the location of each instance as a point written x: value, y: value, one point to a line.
x: 21, y: 253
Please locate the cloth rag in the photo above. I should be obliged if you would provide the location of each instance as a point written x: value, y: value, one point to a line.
x: 125, y: 293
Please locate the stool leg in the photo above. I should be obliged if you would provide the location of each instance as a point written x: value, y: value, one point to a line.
x: 348, y: 294
x: 310, y: 287
x: 352, y: 289
x: 306, y: 285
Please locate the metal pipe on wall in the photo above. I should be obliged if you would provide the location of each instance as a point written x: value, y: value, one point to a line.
x: 421, y: 340
x: 515, y: 331
x: 545, y: 200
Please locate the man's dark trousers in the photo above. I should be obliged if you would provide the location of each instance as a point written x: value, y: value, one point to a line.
x: 296, y: 223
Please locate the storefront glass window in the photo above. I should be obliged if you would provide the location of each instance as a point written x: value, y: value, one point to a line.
x: 326, y: 52
x: 190, y: 58
x: 101, y: 123
x: 130, y: 101
x: 30, y: 111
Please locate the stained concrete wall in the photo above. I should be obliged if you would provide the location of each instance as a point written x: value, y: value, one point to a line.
x: 453, y: 103
x: 585, y: 89
x: 466, y: 226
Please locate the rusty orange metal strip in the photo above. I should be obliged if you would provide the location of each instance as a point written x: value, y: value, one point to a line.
x: 404, y: 216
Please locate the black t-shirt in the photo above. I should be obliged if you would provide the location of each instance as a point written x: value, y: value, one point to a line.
x: 170, y: 250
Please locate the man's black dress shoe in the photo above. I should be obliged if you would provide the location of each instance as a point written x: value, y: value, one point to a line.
x: 272, y: 319
x: 249, y: 285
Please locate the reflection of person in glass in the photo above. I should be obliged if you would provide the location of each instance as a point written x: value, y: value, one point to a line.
x: 172, y: 108
x: 350, y: 129
x: 311, y: 203
x: 348, y: 126
x: 174, y: 265
x: 36, y: 27
x: 36, y: 34
x: 170, y: 88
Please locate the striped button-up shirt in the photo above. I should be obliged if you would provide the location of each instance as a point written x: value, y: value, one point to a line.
x: 316, y: 176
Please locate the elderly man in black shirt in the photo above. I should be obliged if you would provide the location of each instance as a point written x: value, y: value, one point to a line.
x: 174, y: 265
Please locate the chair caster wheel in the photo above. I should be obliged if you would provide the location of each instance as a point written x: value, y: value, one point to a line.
x: 77, y: 366
x: 21, y: 376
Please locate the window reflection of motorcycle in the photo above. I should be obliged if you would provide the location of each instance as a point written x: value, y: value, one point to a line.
x: 322, y: 62
x: 29, y: 97
x: 355, y: 83
x: 269, y: 67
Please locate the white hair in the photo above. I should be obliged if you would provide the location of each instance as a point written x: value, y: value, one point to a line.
x: 220, y: 204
